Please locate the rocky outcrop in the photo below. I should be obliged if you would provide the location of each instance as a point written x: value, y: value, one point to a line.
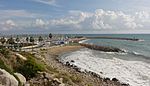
x: 6, y: 79
x: 101, y: 48
x: 46, y: 79
x: 21, y: 78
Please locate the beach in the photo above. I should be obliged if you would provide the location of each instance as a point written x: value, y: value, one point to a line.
x: 52, y: 58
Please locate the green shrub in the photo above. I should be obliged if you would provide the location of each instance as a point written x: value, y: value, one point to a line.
x: 5, y: 52
x: 30, y: 67
x: 3, y: 66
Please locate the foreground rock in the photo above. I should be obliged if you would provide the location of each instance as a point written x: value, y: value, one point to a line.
x: 21, y: 78
x: 7, y: 79
x: 46, y: 79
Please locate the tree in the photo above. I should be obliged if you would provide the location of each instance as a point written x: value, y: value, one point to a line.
x: 40, y: 38
x: 50, y: 35
x: 3, y: 40
x: 32, y: 40
x: 17, y: 40
x: 10, y: 41
x: 27, y: 39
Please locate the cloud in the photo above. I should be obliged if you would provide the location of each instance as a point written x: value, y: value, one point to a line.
x: 40, y: 23
x: 17, y: 13
x: 48, y: 2
x: 98, y: 21
x: 8, y: 25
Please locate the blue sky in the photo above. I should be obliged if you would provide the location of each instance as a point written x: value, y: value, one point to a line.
x: 74, y: 16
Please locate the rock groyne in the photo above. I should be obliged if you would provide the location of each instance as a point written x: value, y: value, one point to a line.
x: 101, y: 48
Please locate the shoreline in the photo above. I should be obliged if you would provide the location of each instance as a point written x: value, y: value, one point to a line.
x: 92, y: 78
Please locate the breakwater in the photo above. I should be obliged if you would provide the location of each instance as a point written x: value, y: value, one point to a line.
x: 101, y: 48
x: 107, y: 37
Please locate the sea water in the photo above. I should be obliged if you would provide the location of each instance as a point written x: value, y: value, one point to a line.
x: 132, y: 67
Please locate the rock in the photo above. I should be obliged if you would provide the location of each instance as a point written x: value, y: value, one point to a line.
x: 106, y: 79
x: 6, y: 79
x: 21, y: 78
x: 27, y: 84
x: 101, y: 72
x: 115, y: 80
x: 67, y: 63
x: 123, y: 84
x: 62, y: 84
x: 72, y: 61
x: 57, y: 82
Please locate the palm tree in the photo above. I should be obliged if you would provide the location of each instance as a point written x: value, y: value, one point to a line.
x: 27, y: 39
x: 17, y: 40
x: 40, y: 38
x: 10, y: 41
x: 50, y: 36
x: 32, y: 41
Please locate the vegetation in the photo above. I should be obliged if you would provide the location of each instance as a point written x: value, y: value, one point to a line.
x: 27, y: 39
x: 3, y: 66
x: 32, y: 40
x: 10, y: 40
x: 30, y: 67
x: 40, y: 39
x: 2, y: 40
x: 18, y: 40
x: 5, y: 52
x: 50, y: 35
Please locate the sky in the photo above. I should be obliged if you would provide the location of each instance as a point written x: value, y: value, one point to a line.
x: 74, y: 16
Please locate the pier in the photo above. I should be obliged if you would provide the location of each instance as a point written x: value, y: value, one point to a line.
x: 107, y: 37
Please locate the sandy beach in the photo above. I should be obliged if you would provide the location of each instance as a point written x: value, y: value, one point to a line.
x: 52, y: 55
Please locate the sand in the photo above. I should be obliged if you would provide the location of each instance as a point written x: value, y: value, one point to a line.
x: 52, y: 55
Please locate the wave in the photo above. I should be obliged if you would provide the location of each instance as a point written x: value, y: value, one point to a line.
x: 136, y: 73
x: 138, y: 54
x: 83, y: 41
x: 141, y: 40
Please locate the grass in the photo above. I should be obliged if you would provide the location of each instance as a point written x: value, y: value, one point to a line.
x: 69, y: 78
x: 30, y: 67
x: 5, y: 52
x: 3, y: 66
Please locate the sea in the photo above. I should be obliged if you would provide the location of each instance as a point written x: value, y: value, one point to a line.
x: 131, y: 67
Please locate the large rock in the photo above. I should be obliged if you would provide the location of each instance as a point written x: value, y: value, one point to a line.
x: 21, y: 78
x: 6, y: 79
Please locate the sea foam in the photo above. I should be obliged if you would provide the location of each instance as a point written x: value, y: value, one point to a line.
x: 135, y: 73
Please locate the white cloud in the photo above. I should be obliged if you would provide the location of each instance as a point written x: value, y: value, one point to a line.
x: 17, y: 13
x: 48, y: 2
x: 88, y: 21
x: 40, y: 23
x: 8, y: 25
x: 100, y: 19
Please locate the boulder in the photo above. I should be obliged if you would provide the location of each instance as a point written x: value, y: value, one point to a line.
x: 57, y: 82
x: 115, y: 80
x: 21, y: 78
x: 6, y: 79
x: 106, y: 79
x: 72, y: 61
